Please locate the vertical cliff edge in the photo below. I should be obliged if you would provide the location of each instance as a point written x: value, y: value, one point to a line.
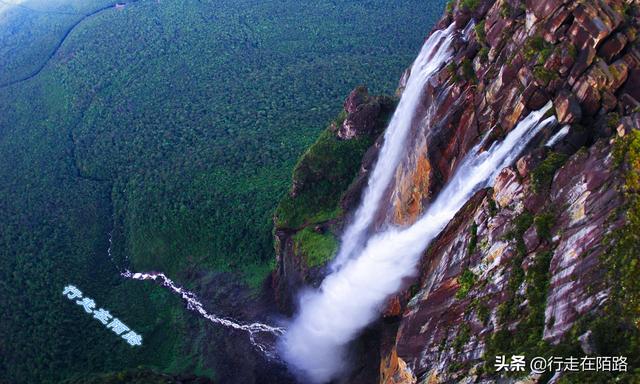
x: 545, y: 262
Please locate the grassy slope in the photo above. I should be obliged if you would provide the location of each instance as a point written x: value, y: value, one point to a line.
x: 193, y: 115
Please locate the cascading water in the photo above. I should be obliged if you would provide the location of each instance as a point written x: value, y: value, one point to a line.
x: 435, y: 52
x: 367, y: 272
x: 261, y: 336
x: 561, y: 134
x: 350, y: 298
x: 255, y: 330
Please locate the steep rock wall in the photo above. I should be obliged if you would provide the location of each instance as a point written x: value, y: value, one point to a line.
x: 523, y: 264
x: 492, y: 275
x: 327, y: 183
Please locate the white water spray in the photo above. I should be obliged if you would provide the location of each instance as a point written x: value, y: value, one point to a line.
x: 564, y: 131
x: 350, y: 299
x: 435, y: 52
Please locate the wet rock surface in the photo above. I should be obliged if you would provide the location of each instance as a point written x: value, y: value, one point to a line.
x: 550, y: 212
x: 583, y: 58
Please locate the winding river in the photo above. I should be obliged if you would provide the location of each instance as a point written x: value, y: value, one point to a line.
x: 64, y: 37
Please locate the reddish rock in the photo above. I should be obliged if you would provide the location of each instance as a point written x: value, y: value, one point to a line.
x: 580, y: 37
x: 555, y: 85
x: 556, y: 20
x: 543, y: 8
x: 507, y: 187
x: 598, y: 22
x: 567, y: 59
x: 632, y: 86
x: 554, y: 62
x: 619, y: 71
x: 575, y: 265
x: 431, y: 324
x: 584, y: 60
x: 612, y: 47
x: 394, y: 370
x: 535, y: 97
x: 356, y: 98
x: 531, y: 239
x: 559, y: 35
x: 568, y: 110
x: 510, y: 116
x: 528, y: 162
x: 525, y: 76
x: 393, y: 307
x: 588, y: 96
x: 495, y: 32
x: 362, y: 112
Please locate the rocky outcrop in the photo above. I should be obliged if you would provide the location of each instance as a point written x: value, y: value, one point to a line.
x: 448, y: 324
x: 523, y: 267
x: 362, y: 112
x: 513, y: 58
x: 524, y: 258
x: 292, y: 271
x: 327, y: 183
x: 568, y: 109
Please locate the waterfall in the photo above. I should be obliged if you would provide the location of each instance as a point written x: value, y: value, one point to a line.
x: 433, y: 55
x: 349, y: 299
x: 561, y: 134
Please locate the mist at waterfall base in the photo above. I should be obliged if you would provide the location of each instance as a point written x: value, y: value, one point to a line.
x: 316, y: 343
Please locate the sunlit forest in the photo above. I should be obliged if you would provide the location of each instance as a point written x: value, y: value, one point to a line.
x: 174, y: 126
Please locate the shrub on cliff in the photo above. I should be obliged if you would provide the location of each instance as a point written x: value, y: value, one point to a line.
x: 325, y: 171
x: 316, y: 248
x: 469, y: 5
x: 542, y: 176
x: 321, y: 176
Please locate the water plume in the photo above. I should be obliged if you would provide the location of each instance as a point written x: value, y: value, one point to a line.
x: 348, y: 300
x: 433, y: 55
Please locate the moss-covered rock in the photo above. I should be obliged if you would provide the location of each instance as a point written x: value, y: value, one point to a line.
x: 316, y: 248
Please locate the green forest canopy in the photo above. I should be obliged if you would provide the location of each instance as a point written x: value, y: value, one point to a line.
x: 175, y: 125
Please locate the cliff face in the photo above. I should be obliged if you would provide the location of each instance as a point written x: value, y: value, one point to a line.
x: 327, y: 183
x: 543, y: 263
x: 514, y: 269
x: 524, y: 262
